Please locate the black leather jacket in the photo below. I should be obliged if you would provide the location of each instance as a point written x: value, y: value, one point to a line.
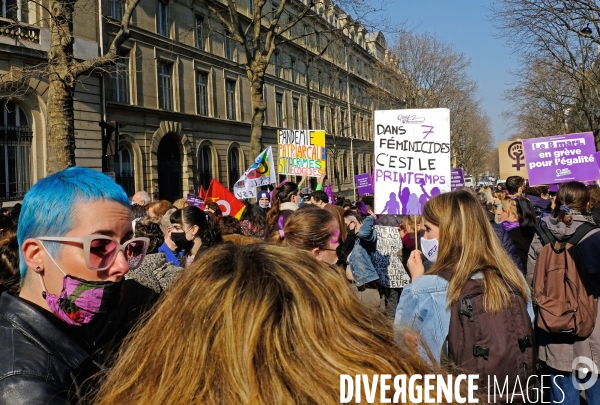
x: 39, y: 362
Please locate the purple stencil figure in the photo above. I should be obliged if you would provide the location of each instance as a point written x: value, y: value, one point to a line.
x: 404, y: 199
x: 422, y: 201
x: 414, y: 208
x: 434, y: 191
x: 392, y: 206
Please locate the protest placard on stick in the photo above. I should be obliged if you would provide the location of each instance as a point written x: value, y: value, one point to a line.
x: 561, y: 158
x: 412, y: 158
x: 302, y: 152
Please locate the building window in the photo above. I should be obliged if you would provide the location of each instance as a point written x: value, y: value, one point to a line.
x: 362, y: 128
x: 165, y: 86
x: 320, y: 84
x: 251, y: 7
x: 296, y: 113
x: 124, y: 171
x: 233, y: 166
x: 116, y: 9
x: 342, y: 122
x: 279, y: 109
x: 311, y: 111
x: 120, y: 80
x: 230, y: 86
x: 228, y: 45
x: 274, y: 6
x: 322, y: 116
x: 205, y: 167
x: 15, y: 10
x: 345, y: 164
x: 293, y: 69
x: 162, y: 18
x: 277, y: 64
x: 354, y: 124
x: 305, y: 35
x: 15, y: 152
x: 202, y: 90
x: 355, y: 162
x: 200, y: 36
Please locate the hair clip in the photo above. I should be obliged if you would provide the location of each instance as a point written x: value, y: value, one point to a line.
x: 281, y: 234
x: 565, y: 208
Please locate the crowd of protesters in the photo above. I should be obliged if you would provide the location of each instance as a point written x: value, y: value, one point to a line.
x: 273, y: 307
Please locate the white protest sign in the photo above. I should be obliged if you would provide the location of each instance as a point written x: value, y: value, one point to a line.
x: 412, y: 158
x: 392, y: 273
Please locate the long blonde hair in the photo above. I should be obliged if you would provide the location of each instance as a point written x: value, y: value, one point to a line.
x: 468, y: 243
x: 255, y: 324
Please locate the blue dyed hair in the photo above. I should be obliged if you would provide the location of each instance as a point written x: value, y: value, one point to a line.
x: 48, y: 207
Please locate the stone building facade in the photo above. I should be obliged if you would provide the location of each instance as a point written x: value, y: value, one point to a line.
x: 181, y: 98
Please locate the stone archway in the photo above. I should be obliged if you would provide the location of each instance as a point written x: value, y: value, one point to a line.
x: 187, y: 158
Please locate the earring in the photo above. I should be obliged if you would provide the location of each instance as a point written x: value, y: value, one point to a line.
x: 38, y: 269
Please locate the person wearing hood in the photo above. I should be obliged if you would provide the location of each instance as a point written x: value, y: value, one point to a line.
x: 541, y: 205
x: 263, y: 200
x: 559, y: 352
x: 519, y: 222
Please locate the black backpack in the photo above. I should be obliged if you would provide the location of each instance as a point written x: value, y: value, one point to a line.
x: 498, y: 345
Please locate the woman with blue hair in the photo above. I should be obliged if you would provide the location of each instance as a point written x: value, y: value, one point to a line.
x: 76, y: 245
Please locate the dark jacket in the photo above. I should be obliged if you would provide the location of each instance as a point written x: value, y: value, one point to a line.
x: 509, y: 246
x: 542, y: 207
x: 522, y: 238
x: 40, y: 363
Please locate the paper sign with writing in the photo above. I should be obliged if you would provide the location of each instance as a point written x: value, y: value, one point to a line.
x: 457, y: 179
x: 388, y: 264
x: 561, y: 158
x: 412, y: 158
x: 512, y: 160
x: 364, y: 183
x: 302, y: 152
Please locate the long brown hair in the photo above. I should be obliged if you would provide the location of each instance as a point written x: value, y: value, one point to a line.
x: 467, y: 243
x: 281, y: 194
x: 575, y: 196
x: 309, y: 227
x: 266, y: 325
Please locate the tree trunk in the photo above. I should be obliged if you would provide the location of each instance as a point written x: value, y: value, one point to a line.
x: 256, y: 74
x: 60, y: 142
x: 60, y: 127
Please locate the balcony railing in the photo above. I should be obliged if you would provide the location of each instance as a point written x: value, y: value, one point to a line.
x: 17, y: 30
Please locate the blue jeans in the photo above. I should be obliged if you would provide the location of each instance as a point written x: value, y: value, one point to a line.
x: 570, y: 394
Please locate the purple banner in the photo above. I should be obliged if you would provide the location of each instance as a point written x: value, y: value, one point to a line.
x: 561, y: 158
x: 195, y: 201
x: 457, y: 179
x: 364, y: 183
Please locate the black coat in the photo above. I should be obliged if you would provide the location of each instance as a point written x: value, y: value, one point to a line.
x: 510, y: 247
x: 45, y: 361
x: 39, y: 362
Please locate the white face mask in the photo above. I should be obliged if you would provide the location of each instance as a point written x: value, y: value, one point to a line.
x: 429, y: 247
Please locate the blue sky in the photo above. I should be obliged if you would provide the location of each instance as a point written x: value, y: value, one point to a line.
x: 466, y: 24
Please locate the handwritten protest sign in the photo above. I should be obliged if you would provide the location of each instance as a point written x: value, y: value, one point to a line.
x: 561, y: 158
x: 412, y: 158
x: 457, y: 179
x: 392, y: 273
x: 512, y: 160
x: 302, y: 152
x: 364, y: 183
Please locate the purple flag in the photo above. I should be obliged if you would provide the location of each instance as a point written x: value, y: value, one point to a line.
x: 329, y: 193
